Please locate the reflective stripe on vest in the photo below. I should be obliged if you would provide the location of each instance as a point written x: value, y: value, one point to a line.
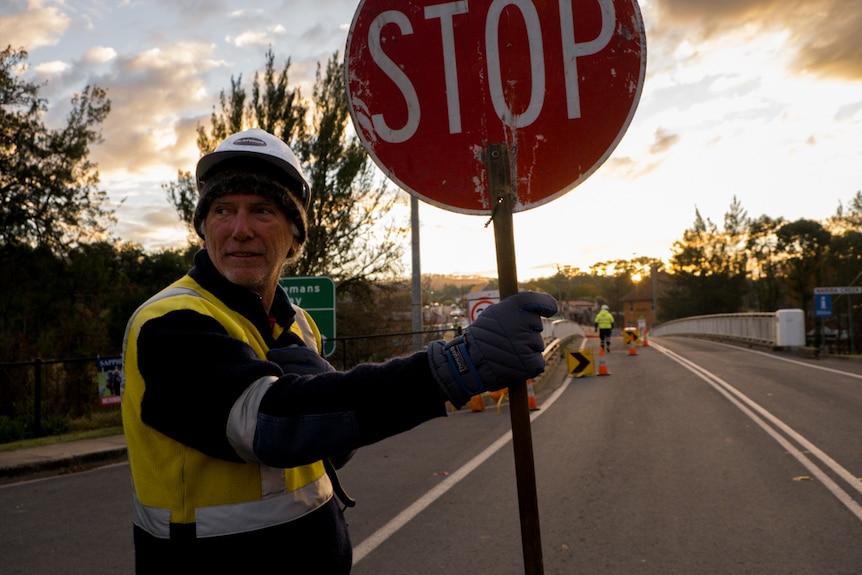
x: 305, y: 330
x: 238, y: 517
x: 284, y: 495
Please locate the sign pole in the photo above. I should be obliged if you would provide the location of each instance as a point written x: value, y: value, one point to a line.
x: 500, y: 188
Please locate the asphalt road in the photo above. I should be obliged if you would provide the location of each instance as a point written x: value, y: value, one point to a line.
x: 690, y: 458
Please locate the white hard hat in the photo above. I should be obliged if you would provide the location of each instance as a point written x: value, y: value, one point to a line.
x: 278, y: 160
x: 261, y: 145
x: 604, y: 307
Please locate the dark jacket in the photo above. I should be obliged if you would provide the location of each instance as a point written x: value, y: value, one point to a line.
x: 194, y: 374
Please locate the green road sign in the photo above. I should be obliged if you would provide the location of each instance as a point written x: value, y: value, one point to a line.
x: 316, y: 295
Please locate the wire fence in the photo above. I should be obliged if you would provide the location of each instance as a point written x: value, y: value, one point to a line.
x: 43, y: 397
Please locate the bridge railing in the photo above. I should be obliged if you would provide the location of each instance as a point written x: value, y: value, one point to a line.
x: 783, y: 328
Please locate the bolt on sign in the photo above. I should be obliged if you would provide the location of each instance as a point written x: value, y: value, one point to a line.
x: 431, y: 84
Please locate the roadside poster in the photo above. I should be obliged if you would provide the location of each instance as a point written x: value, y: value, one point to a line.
x: 110, y: 379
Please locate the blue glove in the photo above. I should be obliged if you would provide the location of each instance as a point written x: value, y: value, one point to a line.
x: 502, y: 347
x: 299, y: 360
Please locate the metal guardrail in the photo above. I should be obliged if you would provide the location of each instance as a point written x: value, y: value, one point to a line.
x: 783, y: 328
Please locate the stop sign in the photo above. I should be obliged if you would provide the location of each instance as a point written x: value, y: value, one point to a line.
x: 430, y: 85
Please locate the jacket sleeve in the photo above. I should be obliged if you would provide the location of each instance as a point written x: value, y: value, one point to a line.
x: 193, y: 373
x: 303, y: 418
x: 200, y: 381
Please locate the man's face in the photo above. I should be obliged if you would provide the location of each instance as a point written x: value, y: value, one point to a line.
x: 248, y: 237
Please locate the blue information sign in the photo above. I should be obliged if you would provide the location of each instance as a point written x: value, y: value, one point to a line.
x: 822, y: 305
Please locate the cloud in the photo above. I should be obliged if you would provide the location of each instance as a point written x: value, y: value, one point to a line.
x: 54, y: 67
x: 850, y: 112
x: 195, y: 12
x: 250, y: 38
x: 156, y: 227
x: 663, y: 141
x: 31, y: 26
x: 99, y: 55
x: 829, y: 41
x: 155, y: 96
x: 822, y: 36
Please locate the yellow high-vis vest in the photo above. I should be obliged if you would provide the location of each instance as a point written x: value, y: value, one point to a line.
x: 177, y: 484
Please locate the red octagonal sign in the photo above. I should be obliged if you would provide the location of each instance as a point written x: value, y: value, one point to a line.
x: 430, y: 85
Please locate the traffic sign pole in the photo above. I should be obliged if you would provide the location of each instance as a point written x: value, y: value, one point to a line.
x: 823, y: 294
x: 497, y: 159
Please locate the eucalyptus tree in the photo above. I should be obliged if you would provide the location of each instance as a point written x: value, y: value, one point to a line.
x: 804, y: 244
x: 354, y: 235
x: 49, y: 195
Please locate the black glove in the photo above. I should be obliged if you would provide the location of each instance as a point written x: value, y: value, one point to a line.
x: 299, y: 360
x: 502, y: 347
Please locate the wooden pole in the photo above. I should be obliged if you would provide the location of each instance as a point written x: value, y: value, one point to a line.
x: 499, y: 177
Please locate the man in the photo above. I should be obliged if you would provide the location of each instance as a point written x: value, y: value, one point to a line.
x: 605, y: 324
x: 231, y: 414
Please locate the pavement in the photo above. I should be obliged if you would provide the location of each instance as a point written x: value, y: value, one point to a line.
x: 61, y: 458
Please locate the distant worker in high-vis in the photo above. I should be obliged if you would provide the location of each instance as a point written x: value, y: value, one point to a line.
x: 605, y: 324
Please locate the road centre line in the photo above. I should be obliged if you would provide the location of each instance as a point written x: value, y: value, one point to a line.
x: 374, y: 540
x: 749, y: 407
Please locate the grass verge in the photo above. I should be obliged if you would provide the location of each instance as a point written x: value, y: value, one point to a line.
x: 64, y: 438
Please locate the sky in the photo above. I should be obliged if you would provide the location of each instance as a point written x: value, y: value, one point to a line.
x: 759, y: 100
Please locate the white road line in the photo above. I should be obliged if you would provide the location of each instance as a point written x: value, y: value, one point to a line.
x: 749, y: 407
x: 397, y: 522
x: 788, y: 360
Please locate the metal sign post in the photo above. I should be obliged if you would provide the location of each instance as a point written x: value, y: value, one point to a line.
x: 823, y: 294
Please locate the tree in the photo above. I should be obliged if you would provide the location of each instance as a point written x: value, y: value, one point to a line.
x: 183, y: 196
x: 763, y: 261
x: 48, y: 185
x: 352, y: 235
x: 732, y: 253
x: 804, y: 244
x: 844, y: 262
x: 706, y: 276
x: 849, y: 218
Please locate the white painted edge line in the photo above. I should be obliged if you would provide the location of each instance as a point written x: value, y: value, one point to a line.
x: 749, y: 406
x: 788, y: 360
x: 374, y: 540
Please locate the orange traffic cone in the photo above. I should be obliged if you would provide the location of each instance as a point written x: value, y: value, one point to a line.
x: 531, y: 397
x: 477, y: 403
x: 646, y: 339
x: 632, y: 350
x: 603, y: 366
